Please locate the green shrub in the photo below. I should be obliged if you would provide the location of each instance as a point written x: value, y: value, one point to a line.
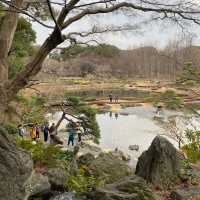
x: 104, y: 50
x: 193, y: 106
x: 170, y: 99
x: 31, y: 108
x: 192, y: 149
x: 10, y: 128
x: 192, y: 154
x: 90, y: 99
x: 189, y: 75
x: 65, y: 156
x: 174, y: 103
x: 82, y: 182
x: 50, y: 155
x: 86, y: 116
x: 190, y: 83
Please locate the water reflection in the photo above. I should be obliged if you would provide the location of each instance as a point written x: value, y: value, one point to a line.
x: 128, y: 129
x: 130, y: 126
x: 116, y: 115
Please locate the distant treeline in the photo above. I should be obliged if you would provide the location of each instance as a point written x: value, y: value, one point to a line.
x: 106, y: 60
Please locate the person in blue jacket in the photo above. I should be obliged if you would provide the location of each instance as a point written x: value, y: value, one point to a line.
x: 72, y: 132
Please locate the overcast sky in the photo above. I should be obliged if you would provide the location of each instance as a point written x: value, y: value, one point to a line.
x: 152, y: 34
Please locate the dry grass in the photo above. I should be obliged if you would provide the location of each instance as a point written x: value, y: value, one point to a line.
x: 60, y: 85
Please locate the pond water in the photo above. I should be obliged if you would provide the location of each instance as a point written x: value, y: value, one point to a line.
x: 130, y: 126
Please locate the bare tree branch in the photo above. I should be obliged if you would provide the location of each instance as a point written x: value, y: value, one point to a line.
x: 132, y: 6
x: 52, y: 15
x: 94, y: 3
x: 19, y: 10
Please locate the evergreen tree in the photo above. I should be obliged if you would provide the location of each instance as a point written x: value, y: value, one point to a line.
x: 190, y: 75
x: 82, y: 113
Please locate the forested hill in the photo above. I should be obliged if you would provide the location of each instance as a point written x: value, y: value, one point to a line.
x: 106, y: 60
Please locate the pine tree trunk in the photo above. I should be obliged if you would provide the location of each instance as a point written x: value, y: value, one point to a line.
x: 32, y: 68
x: 8, y: 88
x: 3, y: 71
x: 3, y: 105
x: 7, y: 31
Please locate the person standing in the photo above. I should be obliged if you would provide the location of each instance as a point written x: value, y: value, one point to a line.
x: 21, y: 130
x: 46, y: 132
x: 72, y: 132
x: 159, y: 109
x: 33, y: 133
x: 79, y: 132
x: 52, y: 129
x: 52, y: 133
x: 37, y: 131
x: 110, y: 97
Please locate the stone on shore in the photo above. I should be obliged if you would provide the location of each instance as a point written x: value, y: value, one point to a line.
x: 64, y: 196
x: 134, y: 147
x: 121, y: 155
x: 186, y: 193
x: 129, y: 188
x: 38, y: 186
x: 109, y: 167
x: 161, y: 163
x: 57, y: 178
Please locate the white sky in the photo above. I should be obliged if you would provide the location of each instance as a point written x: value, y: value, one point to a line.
x: 152, y: 34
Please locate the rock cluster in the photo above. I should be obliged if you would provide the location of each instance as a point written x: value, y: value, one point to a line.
x: 129, y: 188
x: 161, y: 163
x: 192, y: 192
x: 106, y: 165
x: 15, y: 168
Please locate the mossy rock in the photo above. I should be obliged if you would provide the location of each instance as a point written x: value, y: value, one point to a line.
x: 109, y: 167
x: 129, y: 188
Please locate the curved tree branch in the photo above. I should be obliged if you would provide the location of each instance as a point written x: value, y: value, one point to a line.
x: 99, y: 10
x: 18, y: 10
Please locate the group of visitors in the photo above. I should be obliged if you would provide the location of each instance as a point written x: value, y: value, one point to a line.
x: 113, y: 98
x: 35, y: 131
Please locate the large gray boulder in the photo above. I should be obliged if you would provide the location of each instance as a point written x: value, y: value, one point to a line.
x: 15, y: 168
x: 38, y: 185
x: 161, y: 163
x: 120, y: 155
x: 191, y: 188
x: 109, y: 167
x: 86, y: 159
x: 129, y: 188
x: 57, y: 177
x: 65, y: 196
x: 192, y: 192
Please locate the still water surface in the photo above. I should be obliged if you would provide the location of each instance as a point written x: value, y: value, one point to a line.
x: 130, y: 126
x: 133, y: 126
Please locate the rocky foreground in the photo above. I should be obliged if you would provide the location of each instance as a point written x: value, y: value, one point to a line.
x: 161, y: 173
